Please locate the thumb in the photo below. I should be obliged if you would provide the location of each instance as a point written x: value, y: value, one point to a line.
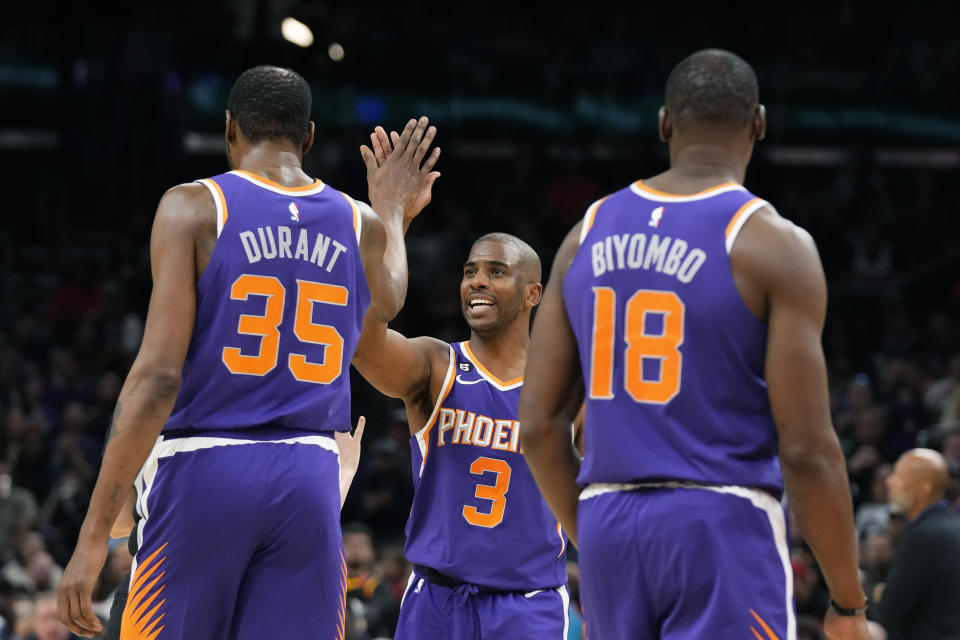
x: 431, y: 178
x: 358, y: 433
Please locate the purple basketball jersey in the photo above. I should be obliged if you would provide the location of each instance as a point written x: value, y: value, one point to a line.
x: 477, y: 514
x: 672, y: 359
x: 279, y: 310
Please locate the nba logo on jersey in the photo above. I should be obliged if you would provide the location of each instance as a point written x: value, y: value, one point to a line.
x: 655, y: 216
x: 295, y: 212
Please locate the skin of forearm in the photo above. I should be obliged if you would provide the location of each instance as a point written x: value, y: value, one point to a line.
x: 820, y: 497
x: 144, y: 405
x: 554, y: 463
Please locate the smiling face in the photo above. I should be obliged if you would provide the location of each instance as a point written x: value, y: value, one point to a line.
x: 493, y: 291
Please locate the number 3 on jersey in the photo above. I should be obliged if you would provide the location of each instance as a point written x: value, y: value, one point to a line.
x: 496, y: 492
x: 267, y: 327
x: 642, y: 345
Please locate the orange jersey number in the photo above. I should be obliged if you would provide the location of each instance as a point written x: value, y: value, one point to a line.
x: 496, y: 492
x: 663, y: 346
x: 267, y: 327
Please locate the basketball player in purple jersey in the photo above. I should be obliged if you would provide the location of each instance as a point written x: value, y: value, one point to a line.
x: 262, y: 277
x: 488, y: 555
x: 689, y: 313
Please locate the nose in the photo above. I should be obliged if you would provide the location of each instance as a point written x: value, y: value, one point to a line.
x: 479, y: 281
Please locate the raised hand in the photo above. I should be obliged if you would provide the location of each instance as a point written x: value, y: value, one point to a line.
x: 402, y: 171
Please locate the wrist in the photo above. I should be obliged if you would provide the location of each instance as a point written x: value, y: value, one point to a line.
x: 850, y: 608
x: 389, y: 211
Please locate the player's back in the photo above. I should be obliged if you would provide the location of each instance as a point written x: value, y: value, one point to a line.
x: 477, y: 515
x: 673, y: 360
x: 279, y: 310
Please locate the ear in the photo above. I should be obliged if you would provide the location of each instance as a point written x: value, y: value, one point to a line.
x: 760, y: 122
x: 230, y: 128
x: 534, y: 294
x: 665, y: 124
x: 308, y: 139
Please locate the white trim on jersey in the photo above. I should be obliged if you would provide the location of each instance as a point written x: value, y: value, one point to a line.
x: 709, y: 193
x: 421, y: 435
x: 217, y: 196
x: 742, y: 220
x: 588, y: 219
x: 759, y: 499
x: 284, y: 192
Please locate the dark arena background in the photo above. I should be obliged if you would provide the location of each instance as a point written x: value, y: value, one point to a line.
x: 540, y: 112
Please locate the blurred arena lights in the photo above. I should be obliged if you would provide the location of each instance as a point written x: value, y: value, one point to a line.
x: 336, y: 52
x: 296, y: 32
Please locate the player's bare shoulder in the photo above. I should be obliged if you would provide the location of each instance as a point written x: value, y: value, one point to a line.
x: 187, y: 212
x: 772, y: 254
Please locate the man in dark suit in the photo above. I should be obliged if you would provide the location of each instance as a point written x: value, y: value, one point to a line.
x: 921, y: 600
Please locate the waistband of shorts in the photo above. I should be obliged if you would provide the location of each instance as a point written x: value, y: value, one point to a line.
x: 264, y: 432
x: 599, y: 489
x: 443, y: 580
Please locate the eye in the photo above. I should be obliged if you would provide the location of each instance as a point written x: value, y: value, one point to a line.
x: 497, y: 271
x: 469, y: 273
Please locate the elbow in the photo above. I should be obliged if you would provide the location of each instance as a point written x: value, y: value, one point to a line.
x: 804, y: 458
x: 160, y: 382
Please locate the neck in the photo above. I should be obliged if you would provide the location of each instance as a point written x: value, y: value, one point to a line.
x: 919, y: 507
x: 274, y: 160
x: 505, y: 352
x: 716, y: 161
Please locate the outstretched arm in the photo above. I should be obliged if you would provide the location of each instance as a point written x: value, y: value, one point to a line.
x: 147, y: 396
x: 395, y: 189
x: 551, y: 396
x: 783, y: 259
x: 396, y: 366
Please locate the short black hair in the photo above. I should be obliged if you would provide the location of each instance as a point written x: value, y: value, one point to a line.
x: 529, y: 261
x: 713, y: 87
x: 271, y: 103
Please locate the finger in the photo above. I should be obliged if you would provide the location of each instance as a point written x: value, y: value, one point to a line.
x: 416, y: 137
x: 369, y: 159
x: 395, y: 137
x: 431, y: 178
x: 400, y: 145
x: 358, y: 433
x: 424, y: 145
x: 432, y: 160
x: 63, y: 609
x: 378, y: 151
x: 88, y: 618
x: 384, y: 140
x: 76, y: 617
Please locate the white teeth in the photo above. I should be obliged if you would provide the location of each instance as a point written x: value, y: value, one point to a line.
x: 480, y: 303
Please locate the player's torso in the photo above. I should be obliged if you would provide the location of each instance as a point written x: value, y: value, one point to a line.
x: 279, y: 310
x: 672, y: 358
x: 477, y: 514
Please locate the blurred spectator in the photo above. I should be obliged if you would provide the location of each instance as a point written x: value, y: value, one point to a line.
x: 44, y: 623
x: 367, y: 595
x: 873, y: 515
x: 18, y: 509
x: 921, y: 598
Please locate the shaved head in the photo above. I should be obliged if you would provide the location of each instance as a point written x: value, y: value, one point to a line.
x: 528, y: 262
x: 919, y: 479
x: 714, y: 88
x: 927, y: 465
